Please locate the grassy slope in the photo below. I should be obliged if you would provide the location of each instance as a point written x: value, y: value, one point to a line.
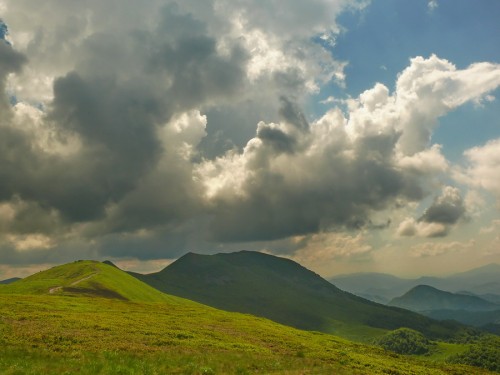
x: 284, y: 291
x: 58, y: 334
x: 68, y: 332
x: 89, y: 278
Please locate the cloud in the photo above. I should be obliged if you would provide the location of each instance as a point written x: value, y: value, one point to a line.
x: 483, y: 168
x: 409, y: 227
x: 438, y: 219
x: 326, y: 252
x: 31, y: 242
x: 113, y: 112
x: 446, y: 209
x: 340, y: 170
x: 27, y: 269
x: 431, y: 87
x: 11, y: 61
x: 433, y: 249
x: 432, y: 5
x: 321, y: 248
x: 494, y: 227
x: 171, y: 125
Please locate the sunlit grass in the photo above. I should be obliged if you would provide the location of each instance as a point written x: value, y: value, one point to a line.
x: 65, y: 334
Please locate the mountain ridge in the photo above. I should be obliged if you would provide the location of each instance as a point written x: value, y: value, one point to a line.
x: 425, y: 297
x: 9, y: 281
x: 481, y: 280
x: 284, y: 291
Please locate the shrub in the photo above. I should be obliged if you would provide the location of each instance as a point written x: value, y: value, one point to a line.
x: 405, y: 341
x: 485, y: 353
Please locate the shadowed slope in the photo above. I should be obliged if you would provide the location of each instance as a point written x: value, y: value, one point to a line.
x: 286, y: 292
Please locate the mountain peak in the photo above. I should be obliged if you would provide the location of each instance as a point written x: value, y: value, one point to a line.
x: 110, y: 263
x: 86, y: 278
x: 487, y: 268
x: 425, y: 297
x: 244, y: 261
x: 425, y: 289
x: 279, y: 289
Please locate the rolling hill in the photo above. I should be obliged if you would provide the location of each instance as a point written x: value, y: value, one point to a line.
x: 284, y: 291
x: 424, y: 298
x: 102, y: 320
x: 88, y: 278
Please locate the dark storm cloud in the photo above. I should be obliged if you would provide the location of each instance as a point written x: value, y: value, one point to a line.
x: 276, y: 208
x: 438, y: 220
x: 345, y: 168
x: 277, y: 138
x: 447, y: 209
x: 291, y: 113
x: 116, y: 125
x: 141, y: 147
x: 32, y: 217
x: 11, y: 61
x: 339, y: 185
x: 196, y: 70
x: 124, y: 89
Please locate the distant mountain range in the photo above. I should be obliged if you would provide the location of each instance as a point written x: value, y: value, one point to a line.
x: 438, y: 304
x: 284, y: 291
x: 9, y: 281
x: 483, y: 282
x: 424, y: 298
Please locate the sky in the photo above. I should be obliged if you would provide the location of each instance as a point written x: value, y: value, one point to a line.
x: 350, y: 136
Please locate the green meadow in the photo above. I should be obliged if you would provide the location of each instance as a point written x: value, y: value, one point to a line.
x: 102, y: 321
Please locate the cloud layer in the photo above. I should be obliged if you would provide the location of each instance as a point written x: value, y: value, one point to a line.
x: 172, y: 126
x: 297, y: 178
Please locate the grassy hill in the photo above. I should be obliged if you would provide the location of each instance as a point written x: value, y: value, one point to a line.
x: 89, y: 278
x: 100, y: 333
x: 286, y: 292
x: 424, y: 297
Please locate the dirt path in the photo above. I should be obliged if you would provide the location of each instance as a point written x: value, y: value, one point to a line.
x: 54, y: 290
x: 59, y: 288
x: 85, y: 278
